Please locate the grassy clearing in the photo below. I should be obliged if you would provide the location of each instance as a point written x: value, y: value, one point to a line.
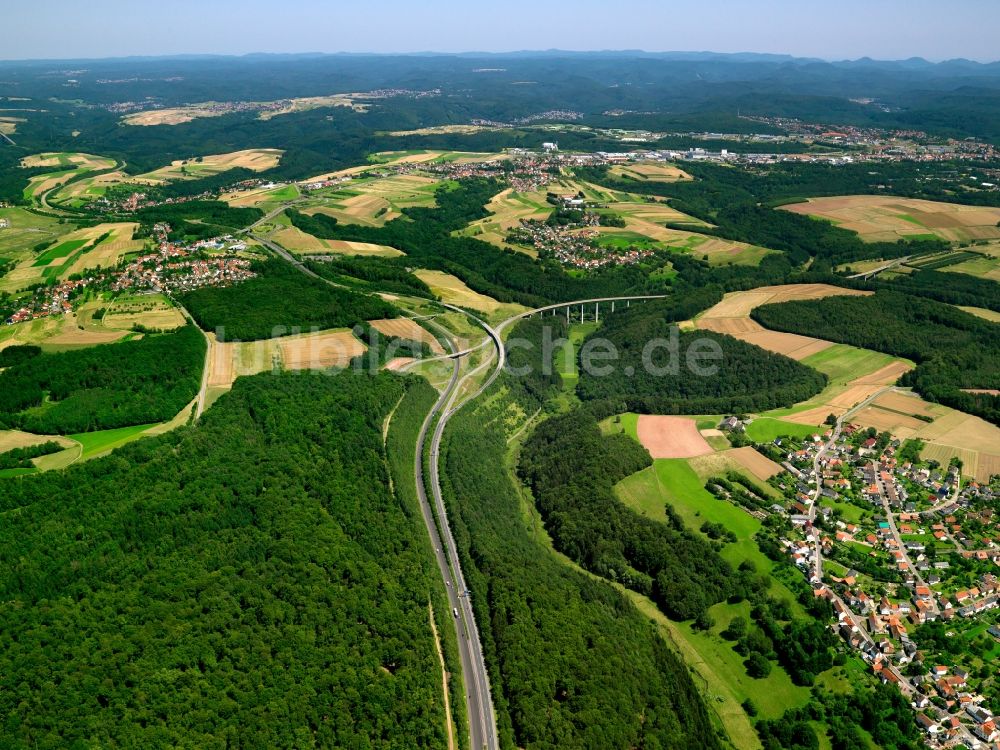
x: 98, y: 443
x: 766, y: 429
x: 842, y: 363
x: 674, y: 481
x: 627, y: 423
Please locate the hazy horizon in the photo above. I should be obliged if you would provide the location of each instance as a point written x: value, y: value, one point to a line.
x: 890, y: 30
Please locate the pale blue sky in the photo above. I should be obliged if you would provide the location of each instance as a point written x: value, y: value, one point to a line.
x: 834, y: 29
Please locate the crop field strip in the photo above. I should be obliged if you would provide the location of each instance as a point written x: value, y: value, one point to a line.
x: 888, y: 218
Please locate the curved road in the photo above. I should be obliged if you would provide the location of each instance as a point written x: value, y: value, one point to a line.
x: 482, y: 720
x: 479, y: 702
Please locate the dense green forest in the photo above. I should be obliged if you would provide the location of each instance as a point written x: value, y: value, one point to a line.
x: 371, y: 274
x: 425, y: 235
x: 653, y: 373
x: 571, y: 470
x: 195, y: 220
x: 951, y: 287
x: 247, y: 582
x: 953, y: 349
x: 552, y: 635
x: 101, y: 387
x: 281, y: 300
x: 20, y: 458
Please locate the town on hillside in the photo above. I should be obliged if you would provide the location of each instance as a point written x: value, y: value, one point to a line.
x: 907, y: 555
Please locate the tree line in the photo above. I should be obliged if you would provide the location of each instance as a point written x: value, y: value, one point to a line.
x: 658, y: 379
x: 98, y: 388
x: 281, y: 300
x: 953, y: 349
x: 249, y: 581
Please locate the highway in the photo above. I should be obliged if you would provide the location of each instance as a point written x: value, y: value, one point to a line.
x: 478, y: 697
x: 479, y: 703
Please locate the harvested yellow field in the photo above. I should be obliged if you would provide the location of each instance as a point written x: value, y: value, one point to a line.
x: 739, y: 304
x: 756, y: 463
x: 362, y: 248
x: 982, y: 312
x: 885, y: 375
x: 78, y: 336
x: 31, y: 332
x: 650, y: 171
x: 887, y: 218
x: 298, y: 242
x: 67, y: 160
x: 320, y: 350
x: 405, y: 328
x: 374, y: 201
x: 962, y: 430
x: 150, y: 310
x: 906, y: 404
x: 731, y: 317
x: 11, y: 439
x: 900, y: 425
x: 790, y: 344
x: 8, y: 125
x: 110, y: 251
x: 255, y: 159
x: 179, y: 115
x: 453, y: 290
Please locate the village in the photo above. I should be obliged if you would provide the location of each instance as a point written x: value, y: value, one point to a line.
x: 170, y: 268
x: 906, y: 553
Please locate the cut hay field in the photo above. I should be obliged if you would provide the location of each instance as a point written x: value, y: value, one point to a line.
x: 11, y: 439
x: 731, y: 317
x: 374, y: 201
x: 854, y: 374
x: 180, y: 115
x: 454, y: 291
x: 887, y: 218
x: 255, y: 159
x: 982, y: 312
x: 318, y: 350
x: 650, y: 171
x: 950, y: 433
x: 62, y: 160
x: 8, y: 125
x: 405, y: 328
x: 671, y: 437
x: 298, y: 242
